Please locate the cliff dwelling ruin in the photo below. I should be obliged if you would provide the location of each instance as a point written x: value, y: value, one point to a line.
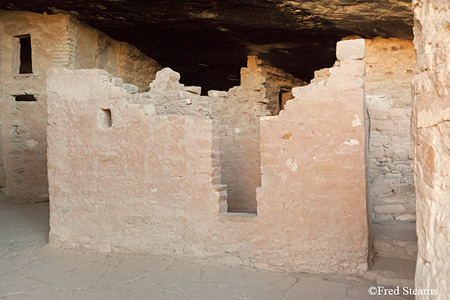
x: 285, y: 136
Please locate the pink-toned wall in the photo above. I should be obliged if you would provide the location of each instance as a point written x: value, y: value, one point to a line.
x: 56, y: 41
x: 151, y: 183
x: 314, y: 164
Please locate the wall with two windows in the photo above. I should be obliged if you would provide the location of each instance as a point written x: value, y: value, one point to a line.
x: 31, y: 45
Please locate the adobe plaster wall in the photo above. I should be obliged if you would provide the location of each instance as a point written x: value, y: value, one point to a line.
x: 314, y: 167
x: 152, y: 181
x: 431, y: 131
x: 56, y: 41
x: 389, y: 66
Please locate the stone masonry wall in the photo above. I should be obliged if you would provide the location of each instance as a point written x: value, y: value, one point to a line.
x: 24, y: 125
x: 56, y: 41
x: 389, y: 66
x: 278, y: 84
x: 95, y: 50
x: 238, y: 112
x: 169, y: 97
x: 136, y: 175
x: 431, y: 136
x: 125, y: 178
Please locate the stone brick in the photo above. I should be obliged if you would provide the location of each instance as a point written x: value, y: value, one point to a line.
x: 350, y: 49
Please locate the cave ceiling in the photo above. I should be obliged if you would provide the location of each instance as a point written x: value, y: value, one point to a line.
x: 207, y: 41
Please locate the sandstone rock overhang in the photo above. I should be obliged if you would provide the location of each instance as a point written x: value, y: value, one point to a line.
x: 208, y: 41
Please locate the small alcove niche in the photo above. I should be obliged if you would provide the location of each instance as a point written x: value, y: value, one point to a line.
x: 25, y: 64
x: 105, y: 118
x: 25, y: 98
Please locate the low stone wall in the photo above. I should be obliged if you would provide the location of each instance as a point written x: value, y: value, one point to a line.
x: 125, y: 178
x: 431, y: 132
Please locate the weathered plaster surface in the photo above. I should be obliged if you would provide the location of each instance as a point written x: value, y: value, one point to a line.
x: 431, y: 131
x: 151, y: 182
x: 389, y: 67
x: 56, y: 41
x: 313, y: 165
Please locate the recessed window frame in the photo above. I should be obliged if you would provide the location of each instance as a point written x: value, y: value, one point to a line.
x: 23, y: 61
x: 105, y: 118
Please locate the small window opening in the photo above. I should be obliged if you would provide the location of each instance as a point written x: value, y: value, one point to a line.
x: 105, y: 118
x: 25, y: 98
x: 280, y: 100
x: 284, y: 96
x: 25, y: 55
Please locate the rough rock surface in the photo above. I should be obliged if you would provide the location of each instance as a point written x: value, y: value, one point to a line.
x: 431, y: 131
x: 125, y: 179
x: 208, y: 41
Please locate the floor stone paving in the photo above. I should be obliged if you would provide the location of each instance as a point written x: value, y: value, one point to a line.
x: 31, y: 269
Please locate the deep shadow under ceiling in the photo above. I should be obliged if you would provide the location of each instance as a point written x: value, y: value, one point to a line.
x: 207, y: 41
